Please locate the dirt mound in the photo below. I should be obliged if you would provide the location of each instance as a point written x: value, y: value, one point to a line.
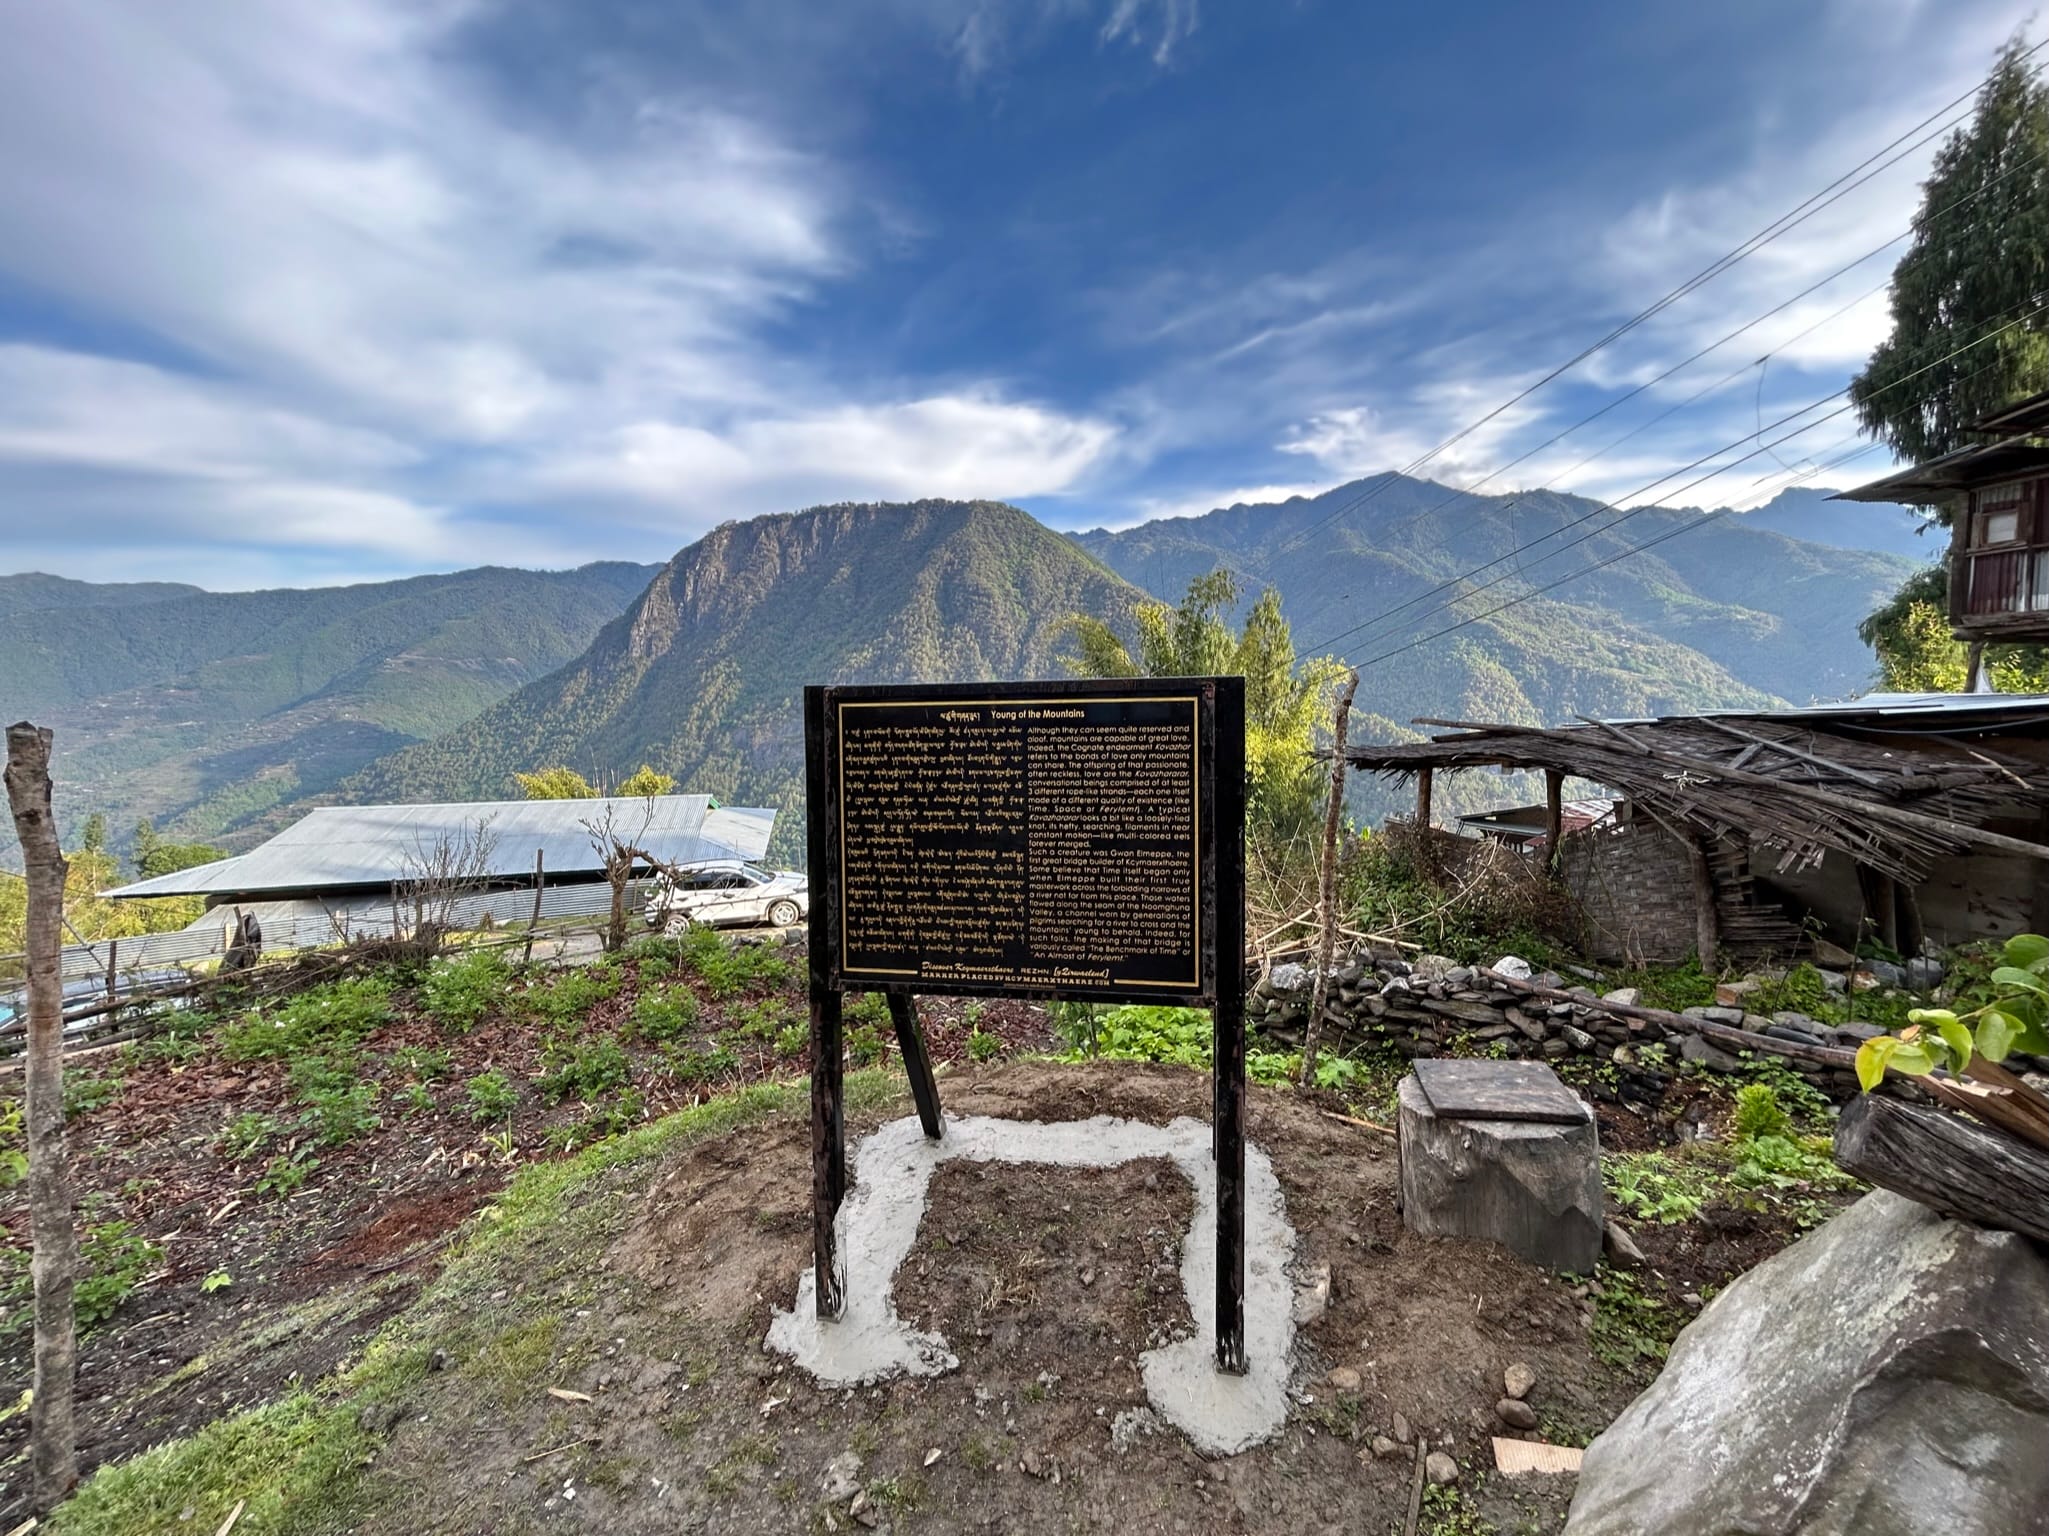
x: 1047, y: 1282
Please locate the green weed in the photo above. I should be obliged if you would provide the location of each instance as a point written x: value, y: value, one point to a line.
x: 664, y: 1013
x: 337, y: 1016
x: 461, y: 991
x: 285, y: 1175
x: 583, y: 1068
x: 84, y: 1093
x: 491, y: 1096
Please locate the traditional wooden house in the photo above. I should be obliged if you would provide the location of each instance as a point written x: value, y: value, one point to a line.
x: 1997, y: 497
x: 1900, y: 818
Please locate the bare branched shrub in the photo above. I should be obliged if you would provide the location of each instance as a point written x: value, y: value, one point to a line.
x: 440, y: 873
x: 615, y: 836
x: 1449, y: 892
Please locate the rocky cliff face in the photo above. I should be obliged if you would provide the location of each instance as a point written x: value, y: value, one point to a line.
x: 703, y: 676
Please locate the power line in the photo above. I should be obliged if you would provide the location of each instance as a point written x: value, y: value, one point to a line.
x: 1686, y: 527
x: 1799, y: 214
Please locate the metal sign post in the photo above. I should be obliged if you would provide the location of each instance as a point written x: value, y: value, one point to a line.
x: 1073, y: 840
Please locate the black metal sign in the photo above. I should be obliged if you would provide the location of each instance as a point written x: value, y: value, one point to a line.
x: 1079, y: 840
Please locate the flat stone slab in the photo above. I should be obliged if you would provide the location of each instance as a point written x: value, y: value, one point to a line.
x: 1498, y: 1090
x: 878, y: 1226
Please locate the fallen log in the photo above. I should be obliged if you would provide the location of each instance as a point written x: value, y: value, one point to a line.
x: 1707, y: 1029
x: 1947, y: 1163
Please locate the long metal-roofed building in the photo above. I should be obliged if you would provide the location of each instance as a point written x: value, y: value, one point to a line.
x: 339, y: 866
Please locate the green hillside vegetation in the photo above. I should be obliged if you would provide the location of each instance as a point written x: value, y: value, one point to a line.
x: 36, y: 592
x: 205, y: 711
x: 704, y: 674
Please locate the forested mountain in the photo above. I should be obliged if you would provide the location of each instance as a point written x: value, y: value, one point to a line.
x: 1804, y: 512
x: 703, y: 676
x: 1727, y: 614
x: 35, y: 592
x: 204, y: 709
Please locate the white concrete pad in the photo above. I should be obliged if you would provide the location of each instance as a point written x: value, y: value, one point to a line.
x: 878, y: 1225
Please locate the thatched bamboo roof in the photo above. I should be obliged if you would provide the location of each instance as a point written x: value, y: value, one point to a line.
x: 1894, y: 788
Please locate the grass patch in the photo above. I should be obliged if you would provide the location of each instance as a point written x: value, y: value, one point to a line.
x: 335, y: 1018
x: 460, y: 992
x: 300, y: 1462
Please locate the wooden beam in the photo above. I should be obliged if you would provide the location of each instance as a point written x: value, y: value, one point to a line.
x: 1554, y: 821
x: 1706, y: 919
x: 1948, y: 1163
x: 910, y: 1040
x: 1424, y: 782
x: 1869, y: 780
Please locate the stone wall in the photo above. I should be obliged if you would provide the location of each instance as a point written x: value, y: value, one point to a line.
x: 1434, y: 1007
x: 1634, y: 886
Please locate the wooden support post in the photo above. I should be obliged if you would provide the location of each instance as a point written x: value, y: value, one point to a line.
x: 1554, y: 822
x: 828, y: 1060
x: 1423, y: 787
x: 53, y: 1262
x: 1228, y: 1054
x: 1327, y: 884
x: 527, y: 955
x: 910, y: 1039
x: 113, y: 979
x: 1706, y: 922
x: 1974, y: 665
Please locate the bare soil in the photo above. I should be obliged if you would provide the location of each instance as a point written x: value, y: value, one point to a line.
x: 1047, y: 1284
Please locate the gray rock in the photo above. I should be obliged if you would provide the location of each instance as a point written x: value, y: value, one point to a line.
x: 1384, y: 1447
x: 1535, y: 1188
x: 1344, y: 1379
x: 1518, y: 1380
x: 1620, y: 1246
x: 841, y: 1478
x: 1514, y: 967
x: 1431, y: 967
x: 1695, y: 1049
x: 1516, y: 1413
x: 1833, y: 981
x: 1440, y: 1469
x: 1887, y: 973
x: 1924, y: 973
x: 1853, y: 1034
x: 1796, y: 1036
x: 1289, y: 977
x: 1832, y: 957
x: 1828, y: 1393
x: 1401, y: 1429
x: 1578, y: 1039
x: 1622, y: 997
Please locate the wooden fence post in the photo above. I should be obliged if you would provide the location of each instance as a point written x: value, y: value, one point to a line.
x: 528, y: 956
x: 113, y: 959
x: 1554, y: 823
x: 53, y: 1267
x: 1327, y: 886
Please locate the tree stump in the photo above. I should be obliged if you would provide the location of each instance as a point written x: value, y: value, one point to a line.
x: 1533, y: 1187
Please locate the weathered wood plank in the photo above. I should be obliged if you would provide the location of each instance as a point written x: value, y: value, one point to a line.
x: 1948, y: 1163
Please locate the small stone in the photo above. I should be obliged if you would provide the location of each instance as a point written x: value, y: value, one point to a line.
x: 1622, y: 997
x: 1830, y: 956
x: 842, y: 1477
x: 1344, y: 1379
x: 1516, y: 1413
x: 1312, y: 1296
x: 1401, y: 1429
x: 1030, y: 1464
x: 1578, y: 1039
x: 1697, y: 1050
x: 1514, y: 967
x: 1384, y: 1447
x: 1620, y: 1246
x: 438, y: 1361
x: 869, y: 1518
x: 933, y: 1455
x: 1440, y: 1469
x: 1518, y: 1379
x: 1691, y: 1301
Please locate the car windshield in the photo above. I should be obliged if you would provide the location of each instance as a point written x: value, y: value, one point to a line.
x: 763, y: 876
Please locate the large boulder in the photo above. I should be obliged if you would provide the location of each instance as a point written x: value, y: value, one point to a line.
x: 1887, y: 1375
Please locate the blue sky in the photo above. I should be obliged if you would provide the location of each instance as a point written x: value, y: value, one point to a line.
x: 299, y: 293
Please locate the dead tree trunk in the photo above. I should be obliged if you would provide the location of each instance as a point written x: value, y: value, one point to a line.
x: 1327, y: 895
x: 53, y: 1462
x: 1950, y: 1164
x: 619, y: 872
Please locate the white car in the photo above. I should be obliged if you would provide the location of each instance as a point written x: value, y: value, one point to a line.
x: 725, y: 893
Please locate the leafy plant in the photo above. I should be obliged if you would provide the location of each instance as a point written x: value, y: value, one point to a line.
x: 334, y: 1017
x: 1759, y: 1113
x: 1651, y: 1187
x: 864, y: 1045
x: 1942, y: 1038
x: 983, y: 1046
x: 219, y: 1280
x: 691, y: 1067
x: 462, y: 990
x: 583, y: 1068
x: 418, y: 1099
x: 84, y: 1093
x: 422, y: 1061
x: 247, y: 1134
x: 1631, y: 1328
x: 491, y: 1096
x: 339, y: 1114
x: 793, y: 1041
x: 113, y: 1258
x: 13, y: 1145
x: 286, y: 1174
x: 570, y: 996
x: 664, y: 1013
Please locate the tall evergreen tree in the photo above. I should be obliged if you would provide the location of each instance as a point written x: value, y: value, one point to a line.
x: 1979, y: 259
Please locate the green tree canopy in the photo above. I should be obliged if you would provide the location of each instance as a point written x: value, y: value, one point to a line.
x: 168, y: 858
x: 1285, y: 703
x: 94, y: 838
x: 645, y: 781
x: 1979, y: 259
x: 555, y: 783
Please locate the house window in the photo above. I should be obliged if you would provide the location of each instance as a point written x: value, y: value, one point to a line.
x: 2038, y: 585
x: 1998, y: 519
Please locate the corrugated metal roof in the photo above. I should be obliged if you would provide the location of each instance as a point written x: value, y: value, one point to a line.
x: 344, y: 847
x: 1953, y: 473
x: 1875, y: 706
